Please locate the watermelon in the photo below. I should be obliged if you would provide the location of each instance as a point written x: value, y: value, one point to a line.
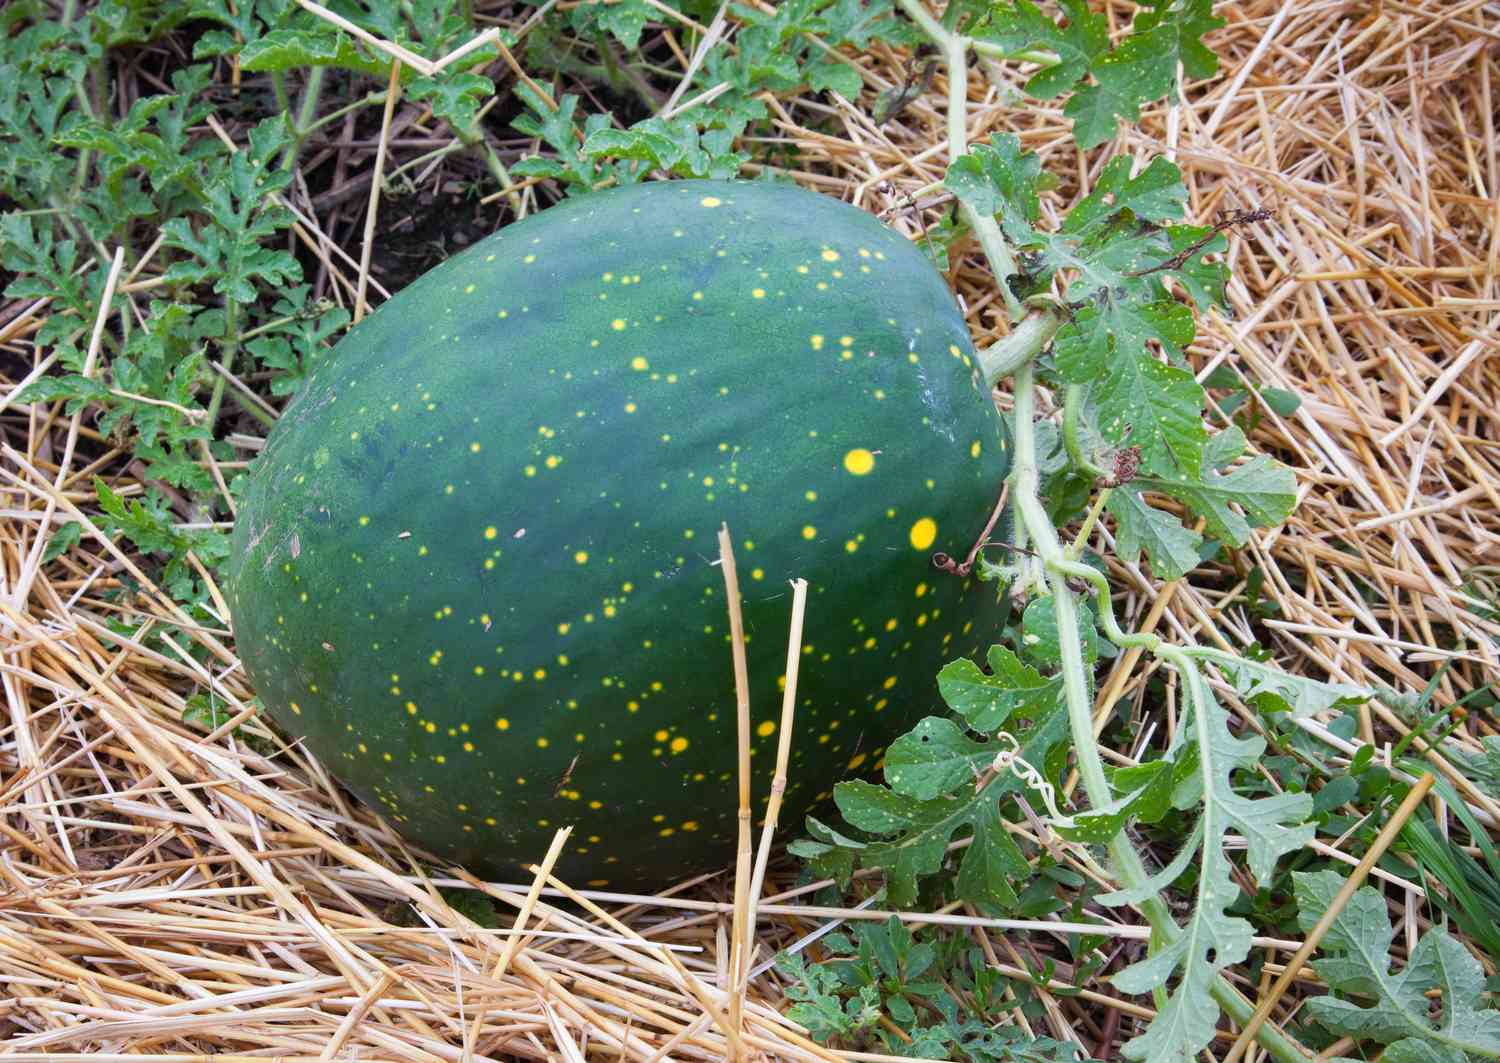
x: 475, y: 569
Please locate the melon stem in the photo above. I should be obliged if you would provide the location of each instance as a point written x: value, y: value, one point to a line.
x: 1026, y: 340
x: 1014, y: 356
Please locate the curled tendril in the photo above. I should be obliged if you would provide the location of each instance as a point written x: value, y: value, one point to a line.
x: 1009, y: 760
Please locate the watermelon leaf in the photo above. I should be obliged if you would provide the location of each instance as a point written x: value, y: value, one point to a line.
x: 1212, y: 939
x: 1358, y: 955
x: 1140, y: 68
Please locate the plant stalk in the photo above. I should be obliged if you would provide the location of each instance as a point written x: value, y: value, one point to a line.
x: 1015, y: 355
x: 1126, y: 862
x: 955, y: 49
x: 1026, y: 340
x: 231, y: 347
x: 1072, y: 440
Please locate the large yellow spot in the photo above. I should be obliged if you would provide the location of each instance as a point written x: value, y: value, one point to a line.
x: 809, y: 532
x: 710, y: 201
x: 974, y: 449
x: 618, y: 324
x: 923, y: 533
x: 758, y: 293
x: 766, y: 728
x: 859, y: 461
x: 639, y: 364
x: 502, y: 724
x: 817, y: 342
x: 491, y: 532
x: 679, y: 744
x: 661, y: 736
x: 830, y: 255
x: 582, y: 557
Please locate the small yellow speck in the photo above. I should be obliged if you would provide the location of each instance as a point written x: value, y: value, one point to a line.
x: 582, y: 557
x: 817, y: 342
x: 830, y: 255
x: 542, y: 743
x: 757, y: 574
x: 639, y: 364
x: 529, y: 259
x: 297, y: 708
x: 851, y: 546
x: 974, y: 449
x: 502, y: 724
x: 758, y: 293
x: 697, y: 297
x: 474, y: 448
x: 469, y: 289
x: 618, y: 324
x: 491, y: 532
x: 710, y: 201
x: 809, y: 532
x: 630, y: 407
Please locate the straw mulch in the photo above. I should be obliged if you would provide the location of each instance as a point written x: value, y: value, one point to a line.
x: 168, y: 895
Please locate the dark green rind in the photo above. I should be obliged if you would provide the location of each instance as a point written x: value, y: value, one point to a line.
x: 498, y: 501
